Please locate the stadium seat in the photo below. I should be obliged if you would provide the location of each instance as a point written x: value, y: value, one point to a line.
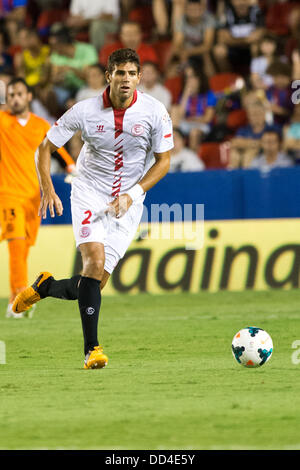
x: 106, y: 50
x: 277, y: 17
x: 163, y: 50
x: 174, y: 85
x: 220, y: 82
x: 214, y: 155
x: 236, y: 119
x: 143, y: 16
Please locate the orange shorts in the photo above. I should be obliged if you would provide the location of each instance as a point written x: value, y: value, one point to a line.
x: 19, y: 219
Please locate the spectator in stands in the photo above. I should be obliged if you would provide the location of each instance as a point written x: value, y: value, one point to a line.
x: 69, y: 60
x: 13, y: 10
x: 99, y: 17
x: 296, y: 64
x: 279, y: 94
x: 32, y: 63
x: 151, y: 84
x: 5, y: 77
x: 194, y: 36
x: 196, y: 108
x: 291, y: 135
x: 95, y: 82
x: 12, y: 15
x: 182, y: 158
x: 292, y: 42
x: 246, y: 143
x: 272, y: 155
x: 5, y: 58
x: 161, y: 16
x: 130, y: 37
x: 267, y: 51
x: 238, y: 35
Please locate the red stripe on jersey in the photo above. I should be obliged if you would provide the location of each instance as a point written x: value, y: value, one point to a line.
x: 119, y: 117
x: 167, y: 135
x: 118, y: 153
x: 118, y: 163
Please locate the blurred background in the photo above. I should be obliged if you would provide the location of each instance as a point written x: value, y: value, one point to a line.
x: 228, y: 73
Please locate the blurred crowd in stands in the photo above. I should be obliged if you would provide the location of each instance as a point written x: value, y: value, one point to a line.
x: 228, y: 71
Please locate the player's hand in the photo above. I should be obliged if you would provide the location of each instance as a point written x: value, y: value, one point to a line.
x: 119, y: 206
x: 50, y: 200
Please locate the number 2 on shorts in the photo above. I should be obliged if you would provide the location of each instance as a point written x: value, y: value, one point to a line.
x: 87, y: 219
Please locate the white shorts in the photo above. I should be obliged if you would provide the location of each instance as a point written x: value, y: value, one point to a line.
x: 90, y: 224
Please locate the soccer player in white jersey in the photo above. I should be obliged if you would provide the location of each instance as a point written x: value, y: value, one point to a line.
x: 122, y: 129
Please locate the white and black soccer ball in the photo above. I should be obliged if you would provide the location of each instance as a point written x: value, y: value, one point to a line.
x: 252, y: 347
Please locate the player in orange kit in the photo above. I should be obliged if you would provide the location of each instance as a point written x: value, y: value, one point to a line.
x: 21, y: 132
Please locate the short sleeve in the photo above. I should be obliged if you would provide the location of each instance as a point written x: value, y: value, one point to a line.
x: 66, y: 126
x: 211, y: 99
x: 162, y: 132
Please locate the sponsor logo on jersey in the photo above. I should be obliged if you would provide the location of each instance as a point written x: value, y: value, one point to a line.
x: 100, y: 128
x: 137, y: 129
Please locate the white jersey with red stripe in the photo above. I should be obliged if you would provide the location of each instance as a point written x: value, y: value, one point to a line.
x: 118, y: 143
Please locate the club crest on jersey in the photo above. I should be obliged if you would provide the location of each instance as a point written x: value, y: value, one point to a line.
x: 137, y: 129
x: 85, y: 232
x: 100, y: 128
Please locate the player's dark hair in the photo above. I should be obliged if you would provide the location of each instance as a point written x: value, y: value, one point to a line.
x: 123, y: 56
x: 16, y: 80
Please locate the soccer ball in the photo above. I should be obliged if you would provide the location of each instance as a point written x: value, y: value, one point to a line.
x: 252, y: 347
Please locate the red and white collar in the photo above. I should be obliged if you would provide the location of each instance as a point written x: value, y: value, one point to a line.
x: 108, y: 104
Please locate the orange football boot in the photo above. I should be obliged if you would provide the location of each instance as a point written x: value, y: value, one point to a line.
x: 31, y: 295
x: 95, y: 359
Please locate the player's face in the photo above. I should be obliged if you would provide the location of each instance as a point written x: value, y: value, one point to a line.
x: 123, y: 80
x: 18, y: 98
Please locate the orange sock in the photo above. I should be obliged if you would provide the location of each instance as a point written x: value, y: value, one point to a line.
x: 18, y: 254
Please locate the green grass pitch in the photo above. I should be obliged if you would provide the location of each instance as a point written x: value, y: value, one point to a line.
x: 171, y: 381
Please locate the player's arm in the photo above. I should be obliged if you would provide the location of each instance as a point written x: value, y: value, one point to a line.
x: 159, y: 169
x: 57, y: 136
x: 49, y: 197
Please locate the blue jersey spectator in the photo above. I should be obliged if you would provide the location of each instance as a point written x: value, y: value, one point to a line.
x: 194, y: 113
x: 248, y: 132
x: 8, y: 6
